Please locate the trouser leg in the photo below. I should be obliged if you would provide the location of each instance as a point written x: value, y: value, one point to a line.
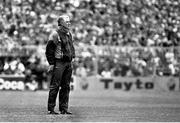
x: 65, y: 88
x: 54, y: 87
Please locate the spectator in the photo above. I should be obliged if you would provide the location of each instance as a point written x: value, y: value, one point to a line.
x: 106, y: 73
x: 131, y: 23
x: 134, y: 23
x: 81, y: 70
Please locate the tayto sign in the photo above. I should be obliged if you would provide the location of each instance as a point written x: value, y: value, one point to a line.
x: 127, y: 84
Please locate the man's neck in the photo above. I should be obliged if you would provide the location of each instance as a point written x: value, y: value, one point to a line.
x: 62, y: 29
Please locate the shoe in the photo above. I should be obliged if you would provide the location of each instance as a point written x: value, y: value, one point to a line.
x: 65, y: 112
x: 53, y: 112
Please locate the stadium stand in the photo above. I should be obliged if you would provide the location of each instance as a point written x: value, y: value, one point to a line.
x: 95, y: 22
x: 142, y: 35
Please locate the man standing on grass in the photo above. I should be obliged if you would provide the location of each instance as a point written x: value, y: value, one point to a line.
x: 59, y: 53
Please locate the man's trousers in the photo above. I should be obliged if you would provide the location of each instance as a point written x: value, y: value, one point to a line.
x: 60, y: 82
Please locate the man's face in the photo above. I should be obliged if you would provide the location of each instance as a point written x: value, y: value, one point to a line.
x: 66, y: 21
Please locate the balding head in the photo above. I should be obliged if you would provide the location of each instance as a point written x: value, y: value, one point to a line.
x: 64, y: 20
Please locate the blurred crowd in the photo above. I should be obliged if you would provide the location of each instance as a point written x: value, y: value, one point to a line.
x: 113, y: 37
x: 30, y: 68
x: 94, y: 22
x: 136, y: 62
x: 128, y: 61
x: 99, y: 61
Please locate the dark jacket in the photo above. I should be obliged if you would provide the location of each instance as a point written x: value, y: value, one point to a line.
x: 60, y: 46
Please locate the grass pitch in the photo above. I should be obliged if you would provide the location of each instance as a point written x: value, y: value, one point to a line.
x: 88, y: 106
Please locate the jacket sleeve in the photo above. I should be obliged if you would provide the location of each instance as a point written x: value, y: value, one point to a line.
x: 50, y: 52
x: 50, y: 49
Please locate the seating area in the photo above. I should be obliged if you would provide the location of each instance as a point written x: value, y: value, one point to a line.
x: 112, y: 37
x: 94, y: 22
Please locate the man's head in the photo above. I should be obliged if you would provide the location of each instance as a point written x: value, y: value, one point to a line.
x: 64, y: 20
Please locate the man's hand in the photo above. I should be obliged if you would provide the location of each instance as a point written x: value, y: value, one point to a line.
x: 73, y: 60
x: 50, y: 69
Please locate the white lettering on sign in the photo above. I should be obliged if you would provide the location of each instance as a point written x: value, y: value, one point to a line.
x: 11, y: 85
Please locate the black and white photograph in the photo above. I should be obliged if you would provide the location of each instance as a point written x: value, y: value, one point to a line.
x: 89, y: 60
